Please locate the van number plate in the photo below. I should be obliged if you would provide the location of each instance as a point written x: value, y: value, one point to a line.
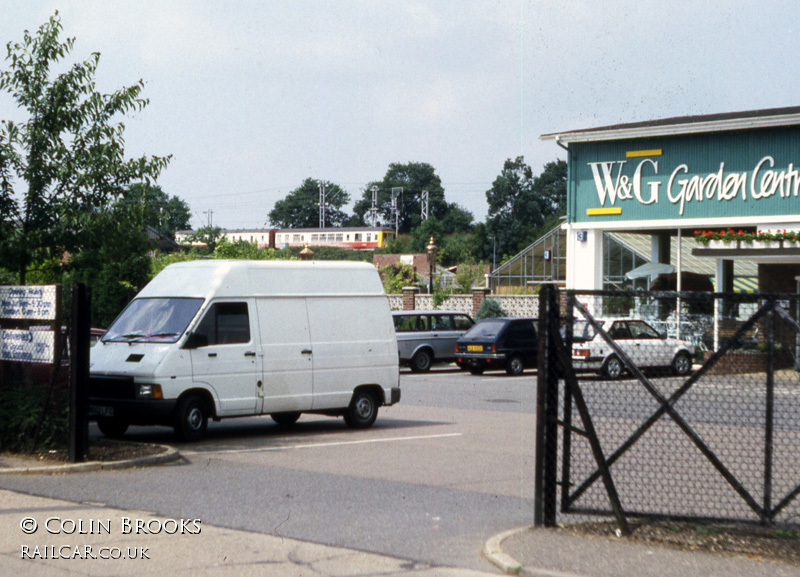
x: 475, y: 348
x: 101, y: 411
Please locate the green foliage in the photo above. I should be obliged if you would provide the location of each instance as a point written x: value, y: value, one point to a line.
x: 396, y: 276
x: 114, y: 262
x: 468, y: 276
x: 490, y: 309
x: 244, y: 250
x: 400, y: 245
x: 160, y: 262
x: 440, y: 296
x: 209, y: 236
x: 335, y: 253
x: 68, y: 158
x: 27, y: 425
x: 300, y: 208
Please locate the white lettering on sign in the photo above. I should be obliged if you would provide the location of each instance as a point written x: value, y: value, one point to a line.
x: 28, y: 302
x: 720, y: 186
x: 27, y: 346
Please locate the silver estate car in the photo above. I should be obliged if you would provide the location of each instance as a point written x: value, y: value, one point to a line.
x: 426, y: 337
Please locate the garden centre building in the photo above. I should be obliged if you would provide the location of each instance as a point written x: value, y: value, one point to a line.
x: 719, y: 192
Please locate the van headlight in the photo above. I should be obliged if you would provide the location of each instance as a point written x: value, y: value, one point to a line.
x: 148, y: 391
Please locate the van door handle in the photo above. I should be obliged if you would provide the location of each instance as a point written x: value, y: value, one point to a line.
x: 249, y: 354
x: 305, y: 352
x: 212, y: 354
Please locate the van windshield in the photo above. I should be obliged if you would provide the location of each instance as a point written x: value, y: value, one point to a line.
x: 161, y: 320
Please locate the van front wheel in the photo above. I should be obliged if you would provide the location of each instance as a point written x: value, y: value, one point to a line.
x: 363, y: 410
x: 112, y: 428
x: 191, y: 418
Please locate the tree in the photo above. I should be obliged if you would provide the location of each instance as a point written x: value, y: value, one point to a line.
x: 412, y: 178
x: 514, y: 214
x: 208, y: 236
x: 164, y: 213
x: 300, y: 208
x: 68, y: 157
x: 520, y: 204
x: 113, y: 261
x: 550, y: 187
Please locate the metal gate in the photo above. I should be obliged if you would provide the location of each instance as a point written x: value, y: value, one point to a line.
x: 627, y: 428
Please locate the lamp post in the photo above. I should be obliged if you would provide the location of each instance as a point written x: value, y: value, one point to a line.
x: 431, y: 248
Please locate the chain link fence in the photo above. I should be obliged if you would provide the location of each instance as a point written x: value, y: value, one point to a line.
x: 671, y: 405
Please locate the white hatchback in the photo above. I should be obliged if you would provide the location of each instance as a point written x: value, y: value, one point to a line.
x: 645, y: 346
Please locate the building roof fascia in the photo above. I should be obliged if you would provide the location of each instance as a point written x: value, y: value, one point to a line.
x: 771, y: 118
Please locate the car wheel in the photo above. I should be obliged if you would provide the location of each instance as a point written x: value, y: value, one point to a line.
x: 285, y: 419
x: 363, y: 410
x: 112, y: 428
x: 422, y: 361
x: 682, y: 364
x: 613, y: 368
x: 476, y: 370
x: 191, y: 418
x: 515, y: 365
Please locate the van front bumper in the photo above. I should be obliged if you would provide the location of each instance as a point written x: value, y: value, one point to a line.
x: 395, y: 398
x: 133, y: 411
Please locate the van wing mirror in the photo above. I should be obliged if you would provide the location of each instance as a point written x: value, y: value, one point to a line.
x: 195, y: 341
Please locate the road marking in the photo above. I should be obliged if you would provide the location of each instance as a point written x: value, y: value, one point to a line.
x: 318, y: 445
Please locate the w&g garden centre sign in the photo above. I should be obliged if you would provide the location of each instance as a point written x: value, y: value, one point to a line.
x: 719, y: 175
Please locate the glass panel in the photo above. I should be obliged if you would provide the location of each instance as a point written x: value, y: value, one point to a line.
x: 160, y: 320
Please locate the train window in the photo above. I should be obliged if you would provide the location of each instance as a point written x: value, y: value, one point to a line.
x: 339, y: 237
x: 358, y: 236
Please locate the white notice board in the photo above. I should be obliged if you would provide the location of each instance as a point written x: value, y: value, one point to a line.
x: 31, y: 303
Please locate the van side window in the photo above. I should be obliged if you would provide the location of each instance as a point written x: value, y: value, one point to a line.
x: 461, y: 322
x: 225, y: 324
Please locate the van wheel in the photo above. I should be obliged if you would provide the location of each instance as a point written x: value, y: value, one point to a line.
x: 112, y: 428
x: 285, y: 419
x: 515, y: 365
x: 191, y: 418
x: 363, y: 410
x: 422, y: 361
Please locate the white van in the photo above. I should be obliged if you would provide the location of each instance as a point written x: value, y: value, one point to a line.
x: 217, y: 339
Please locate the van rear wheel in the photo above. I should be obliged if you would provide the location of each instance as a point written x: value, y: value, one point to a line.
x: 363, y: 410
x: 285, y: 419
x: 191, y: 418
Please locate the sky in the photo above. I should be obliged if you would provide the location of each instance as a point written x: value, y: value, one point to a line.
x: 252, y: 97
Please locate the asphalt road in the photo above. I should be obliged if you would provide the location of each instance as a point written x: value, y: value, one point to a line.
x: 437, y: 475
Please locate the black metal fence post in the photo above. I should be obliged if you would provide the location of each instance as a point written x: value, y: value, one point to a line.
x: 546, y: 413
x: 79, y: 373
